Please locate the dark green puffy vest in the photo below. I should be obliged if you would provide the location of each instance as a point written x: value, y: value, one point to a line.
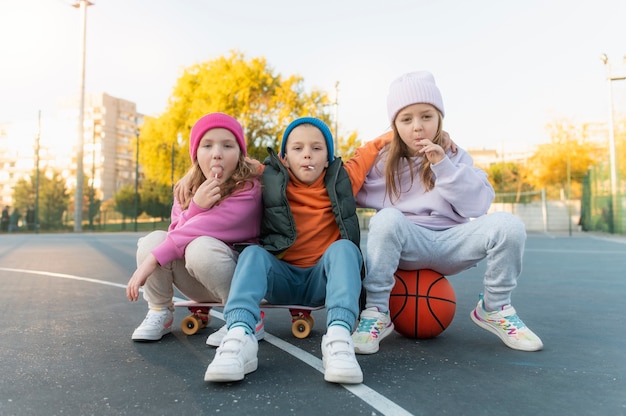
x: 278, y: 228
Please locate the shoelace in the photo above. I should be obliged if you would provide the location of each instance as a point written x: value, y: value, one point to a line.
x: 366, y: 324
x: 515, y: 321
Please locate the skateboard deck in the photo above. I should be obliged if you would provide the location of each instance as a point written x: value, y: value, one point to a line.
x: 301, y: 320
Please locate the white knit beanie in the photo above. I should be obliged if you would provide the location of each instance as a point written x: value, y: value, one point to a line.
x: 412, y: 88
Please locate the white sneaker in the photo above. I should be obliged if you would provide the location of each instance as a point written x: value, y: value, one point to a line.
x: 215, y: 339
x: 340, y: 364
x: 234, y: 358
x: 373, y: 327
x: 157, y: 323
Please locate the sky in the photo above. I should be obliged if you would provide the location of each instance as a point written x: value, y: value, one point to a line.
x: 505, y: 68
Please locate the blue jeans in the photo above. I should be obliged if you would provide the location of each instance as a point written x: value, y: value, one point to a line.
x: 335, y: 281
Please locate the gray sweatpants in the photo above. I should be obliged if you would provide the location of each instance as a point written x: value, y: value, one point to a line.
x: 204, y: 275
x: 394, y: 242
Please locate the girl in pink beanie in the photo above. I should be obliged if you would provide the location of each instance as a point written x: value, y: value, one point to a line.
x: 431, y: 214
x: 197, y: 254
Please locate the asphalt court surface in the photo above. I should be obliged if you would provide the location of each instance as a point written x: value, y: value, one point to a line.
x: 65, y: 344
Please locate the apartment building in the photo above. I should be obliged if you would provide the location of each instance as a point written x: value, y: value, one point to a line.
x: 109, y: 154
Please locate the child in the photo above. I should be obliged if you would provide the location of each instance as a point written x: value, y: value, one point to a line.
x: 424, y: 199
x: 309, y: 255
x: 196, y: 254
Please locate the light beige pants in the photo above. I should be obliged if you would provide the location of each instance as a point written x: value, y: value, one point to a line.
x: 203, y: 275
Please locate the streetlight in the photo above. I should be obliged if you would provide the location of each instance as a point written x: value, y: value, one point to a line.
x: 615, y: 206
x: 179, y: 141
x: 78, y: 197
x: 336, y: 143
x: 37, y: 150
x: 137, y: 122
x: 92, y: 190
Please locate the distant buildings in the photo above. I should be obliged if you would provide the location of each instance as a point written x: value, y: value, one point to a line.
x: 484, y: 158
x: 110, y: 129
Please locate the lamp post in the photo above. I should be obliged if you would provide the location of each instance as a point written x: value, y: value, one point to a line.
x: 92, y: 189
x: 37, y: 149
x: 78, y: 197
x: 569, y: 191
x: 615, y: 206
x: 136, y: 170
x: 179, y: 142
x: 172, y: 175
x: 336, y: 143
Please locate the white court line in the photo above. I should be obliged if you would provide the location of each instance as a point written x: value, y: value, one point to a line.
x: 366, y: 394
x: 567, y: 251
x: 64, y: 276
x: 369, y: 396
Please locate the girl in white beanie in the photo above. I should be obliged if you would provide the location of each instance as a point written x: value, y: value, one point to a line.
x: 425, y: 198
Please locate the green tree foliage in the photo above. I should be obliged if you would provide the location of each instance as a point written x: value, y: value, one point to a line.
x: 24, y: 193
x: 156, y: 199
x: 509, y: 181
x: 53, y: 198
x: 125, y: 203
x: 248, y: 89
x: 548, y: 166
x: 91, y: 203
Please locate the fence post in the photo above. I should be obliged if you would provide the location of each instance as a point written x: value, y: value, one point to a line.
x: 544, y: 210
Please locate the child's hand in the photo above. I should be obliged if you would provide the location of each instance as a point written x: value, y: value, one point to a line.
x: 208, y: 194
x: 434, y: 153
x: 183, y: 192
x: 447, y: 143
x: 140, y: 276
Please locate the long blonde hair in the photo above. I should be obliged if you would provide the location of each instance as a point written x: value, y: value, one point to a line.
x: 242, y: 178
x: 398, y: 150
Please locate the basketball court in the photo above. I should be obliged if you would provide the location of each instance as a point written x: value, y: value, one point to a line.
x: 66, y: 345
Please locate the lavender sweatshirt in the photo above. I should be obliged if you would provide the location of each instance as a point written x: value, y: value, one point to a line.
x: 236, y: 219
x: 461, y: 191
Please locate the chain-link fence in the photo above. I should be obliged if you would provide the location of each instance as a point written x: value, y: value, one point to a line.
x: 600, y: 209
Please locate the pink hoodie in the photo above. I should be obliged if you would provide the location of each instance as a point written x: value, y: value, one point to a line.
x: 237, y: 219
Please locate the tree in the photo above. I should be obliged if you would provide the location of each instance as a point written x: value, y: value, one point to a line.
x: 91, y: 204
x: 125, y: 203
x: 509, y: 180
x: 548, y: 166
x: 156, y: 199
x: 348, y: 146
x: 249, y: 90
x: 53, y: 198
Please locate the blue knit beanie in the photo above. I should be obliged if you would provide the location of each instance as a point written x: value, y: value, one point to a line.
x: 328, y: 136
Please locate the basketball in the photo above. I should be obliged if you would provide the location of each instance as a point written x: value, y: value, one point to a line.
x: 422, y: 303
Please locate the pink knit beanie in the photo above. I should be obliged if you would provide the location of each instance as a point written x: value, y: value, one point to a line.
x: 213, y: 121
x: 413, y: 88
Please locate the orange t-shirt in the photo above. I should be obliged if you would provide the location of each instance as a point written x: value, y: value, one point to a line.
x: 316, y: 227
x: 312, y: 211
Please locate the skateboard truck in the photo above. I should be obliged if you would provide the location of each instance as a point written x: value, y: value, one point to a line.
x: 301, y: 319
x: 199, y: 318
x: 301, y: 322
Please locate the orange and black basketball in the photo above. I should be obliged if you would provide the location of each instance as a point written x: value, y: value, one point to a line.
x: 422, y: 303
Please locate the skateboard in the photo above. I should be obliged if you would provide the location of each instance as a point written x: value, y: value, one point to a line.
x: 301, y: 320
